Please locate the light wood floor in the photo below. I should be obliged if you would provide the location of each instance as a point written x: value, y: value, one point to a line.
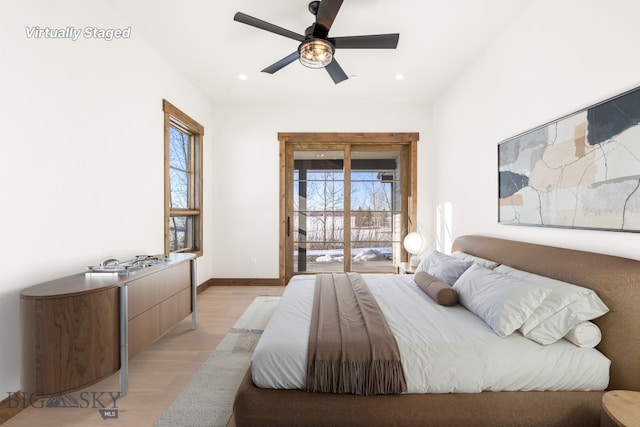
x: 157, y: 375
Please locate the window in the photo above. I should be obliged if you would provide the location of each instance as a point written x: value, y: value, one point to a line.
x: 183, y: 181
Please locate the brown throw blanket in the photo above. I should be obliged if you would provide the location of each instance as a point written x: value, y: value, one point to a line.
x: 351, y: 348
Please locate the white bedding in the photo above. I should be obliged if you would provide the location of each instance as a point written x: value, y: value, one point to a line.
x: 443, y: 349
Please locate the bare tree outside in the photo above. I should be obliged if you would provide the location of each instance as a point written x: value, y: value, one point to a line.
x: 325, y: 197
x: 373, y: 228
x: 179, y: 187
x: 320, y: 218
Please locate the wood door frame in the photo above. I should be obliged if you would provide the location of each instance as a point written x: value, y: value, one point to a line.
x: 324, y: 140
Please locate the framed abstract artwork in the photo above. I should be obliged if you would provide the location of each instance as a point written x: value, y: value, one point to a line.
x: 580, y: 171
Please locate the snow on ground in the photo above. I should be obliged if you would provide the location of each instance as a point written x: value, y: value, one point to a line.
x: 337, y: 255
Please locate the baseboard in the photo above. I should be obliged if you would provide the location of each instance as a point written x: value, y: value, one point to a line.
x: 12, y: 406
x: 238, y: 282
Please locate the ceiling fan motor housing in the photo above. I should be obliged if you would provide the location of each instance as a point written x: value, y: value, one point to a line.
x: 313, y: 7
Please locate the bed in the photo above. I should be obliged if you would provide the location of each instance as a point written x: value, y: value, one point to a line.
x: 615, y: 280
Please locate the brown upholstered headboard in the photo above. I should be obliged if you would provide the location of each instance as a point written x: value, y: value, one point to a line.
x: 615, y: 279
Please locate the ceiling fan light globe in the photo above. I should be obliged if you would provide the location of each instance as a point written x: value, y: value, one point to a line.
x: 316, y: 53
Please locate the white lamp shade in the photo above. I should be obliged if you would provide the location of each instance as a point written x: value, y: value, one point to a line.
x: 413, y: 243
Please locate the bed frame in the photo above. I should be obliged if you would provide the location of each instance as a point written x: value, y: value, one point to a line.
x: 615, y: 279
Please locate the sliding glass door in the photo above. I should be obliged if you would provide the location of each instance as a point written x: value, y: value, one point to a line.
x: 345, y: 205
x: 378, y: 222
x: 318, y: 211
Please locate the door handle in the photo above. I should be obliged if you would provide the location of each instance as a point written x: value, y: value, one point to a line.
x: 288, y: 226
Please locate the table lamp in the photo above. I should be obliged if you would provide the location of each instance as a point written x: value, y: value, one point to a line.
x: 413, y: 245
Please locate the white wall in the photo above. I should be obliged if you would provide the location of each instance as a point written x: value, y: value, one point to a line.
x: 246, y: 164
x: 559, y: 57
x: 81, y: 153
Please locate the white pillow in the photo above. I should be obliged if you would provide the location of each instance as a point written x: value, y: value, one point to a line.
x: 481, y: 261
x: 585, y: 335
x: 504, y: 303
x: 566, y: 306
x: 443, y: 267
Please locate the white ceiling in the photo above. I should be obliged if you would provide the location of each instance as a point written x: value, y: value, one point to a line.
x: 438, y: 39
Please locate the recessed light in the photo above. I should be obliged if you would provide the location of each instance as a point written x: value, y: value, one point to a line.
x: 243, y: 76
x: 399, y: 76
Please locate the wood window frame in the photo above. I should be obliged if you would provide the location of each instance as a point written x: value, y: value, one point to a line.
x: 174, y: 116
x: 327, y: 140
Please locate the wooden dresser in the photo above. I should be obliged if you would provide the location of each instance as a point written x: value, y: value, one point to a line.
x: 79, y: 329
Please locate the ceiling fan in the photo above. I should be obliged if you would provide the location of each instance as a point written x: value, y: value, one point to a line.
x: 316, y: 49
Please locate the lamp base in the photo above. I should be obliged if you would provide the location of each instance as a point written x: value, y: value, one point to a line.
x: 414, y: 261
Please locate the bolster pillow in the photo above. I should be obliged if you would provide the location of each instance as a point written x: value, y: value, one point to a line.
x: 439, y: 291
x: 585, y: 334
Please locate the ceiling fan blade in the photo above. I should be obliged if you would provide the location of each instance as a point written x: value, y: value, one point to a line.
x: 326, y: 15
x: 264, y: 25
x: 282, y: 63
x: 376, y: 41
x: 336, y: 72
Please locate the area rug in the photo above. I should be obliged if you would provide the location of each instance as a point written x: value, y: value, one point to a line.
x: 207, y: 399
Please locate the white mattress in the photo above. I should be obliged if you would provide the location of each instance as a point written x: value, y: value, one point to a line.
x: 443, y: 349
